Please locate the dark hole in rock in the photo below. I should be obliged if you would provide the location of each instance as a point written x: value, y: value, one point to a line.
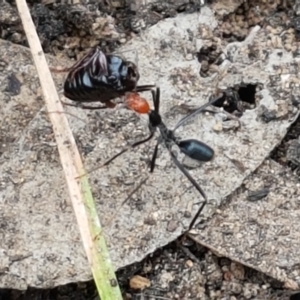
x: 238, y: 98
x: 295, y: 297
x: 247, y: 93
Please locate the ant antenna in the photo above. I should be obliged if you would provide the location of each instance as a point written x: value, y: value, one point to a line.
x: 200, y: 109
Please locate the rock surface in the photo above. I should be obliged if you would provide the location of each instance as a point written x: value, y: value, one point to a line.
x: 40, y: 242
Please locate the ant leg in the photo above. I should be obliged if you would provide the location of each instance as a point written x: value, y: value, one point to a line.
x: 144, y: 88
x: 194, y: 183
x: 118, y: 154
x: 136, y: 144
x: 155, y: 91
x: 127, y: 198
x: 152, y: 164
x: 156, y: 99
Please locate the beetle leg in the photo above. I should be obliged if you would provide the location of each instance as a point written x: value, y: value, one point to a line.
x: 84, y: 106
x: 60, y: 70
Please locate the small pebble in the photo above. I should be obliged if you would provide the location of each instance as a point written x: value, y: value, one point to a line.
x: 189, y: 263
x: 237, y: 270
x: 138, y: 282
x: 218, y: 127
x: 235, y: 287
x: 189, y: 56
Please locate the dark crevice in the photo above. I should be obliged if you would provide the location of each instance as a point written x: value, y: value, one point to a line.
x: 288, y: 151
x: 238, y: 98
x: 295, y: 296
x: 247, y: 93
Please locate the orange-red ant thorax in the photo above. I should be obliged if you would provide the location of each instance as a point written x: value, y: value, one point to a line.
x: 135, y: 102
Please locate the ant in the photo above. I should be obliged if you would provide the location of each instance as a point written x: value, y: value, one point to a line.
x: 100, y: 77
x: 192, y: 148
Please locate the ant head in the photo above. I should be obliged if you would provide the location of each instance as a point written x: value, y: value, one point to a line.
x: 135, y: 102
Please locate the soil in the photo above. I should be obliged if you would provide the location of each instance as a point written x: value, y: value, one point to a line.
x: 177, y: 271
